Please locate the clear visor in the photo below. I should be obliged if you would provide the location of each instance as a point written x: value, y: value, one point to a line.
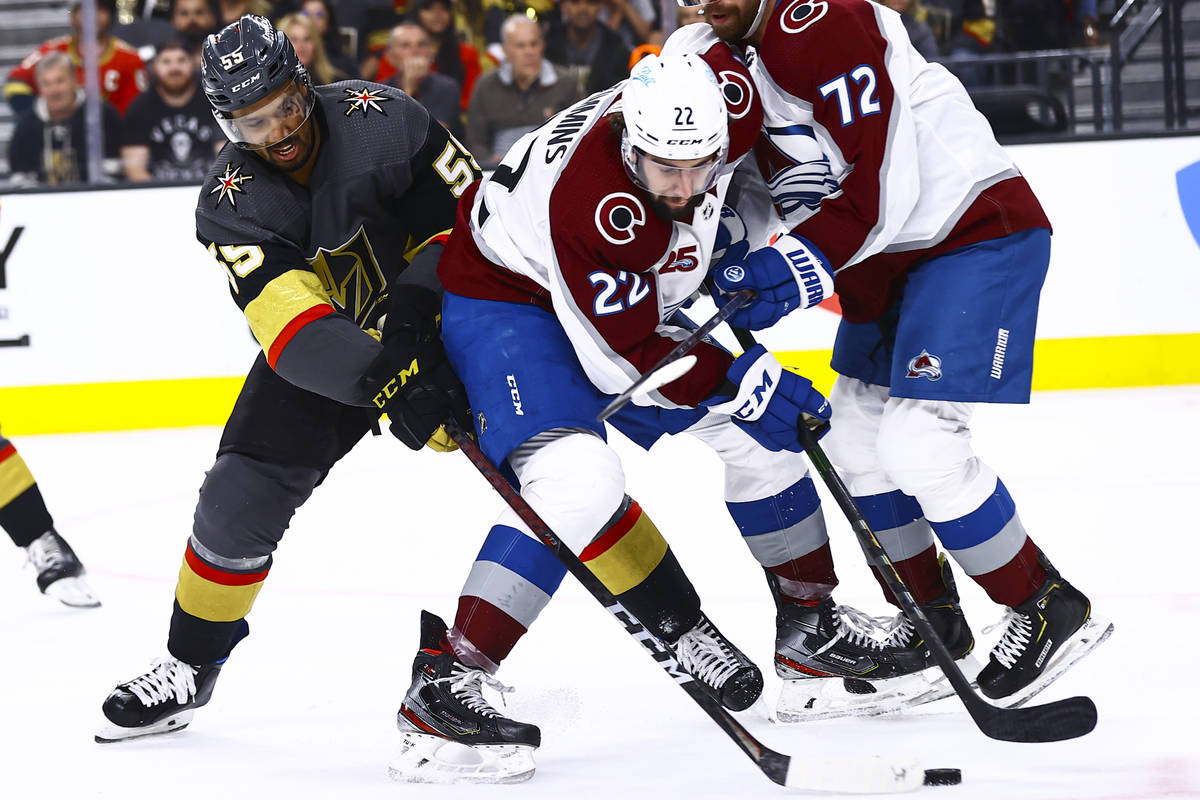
x: 692, y: 3
x: 677, y: 180
x: 268, y: 124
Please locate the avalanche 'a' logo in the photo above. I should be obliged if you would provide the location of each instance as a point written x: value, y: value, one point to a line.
x: 802, y: 13
x: 925, y: 366
x: 617, y: 215
x: 795, y: 168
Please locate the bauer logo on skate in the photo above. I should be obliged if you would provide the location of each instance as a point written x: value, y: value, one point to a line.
x: 617, y: 215
x: 925, y: 366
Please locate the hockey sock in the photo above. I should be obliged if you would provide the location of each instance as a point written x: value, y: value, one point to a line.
x: 786, y: 534
x: 992, y: 547
x: 23, y: 513
x: 634, y: 562
x: 210, y: 604
x: 899, y: 525
x: 511, y: 581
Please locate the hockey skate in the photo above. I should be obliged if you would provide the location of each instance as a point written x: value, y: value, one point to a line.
x: 836, y: 661
x: 715, y: 662
x: 451, y: 733
x: 945, y: 615
x: 59, y: 571
x: 162, y: 700
x: 1043, y: 637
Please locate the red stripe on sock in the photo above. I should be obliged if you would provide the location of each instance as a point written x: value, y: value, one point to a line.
x: 488, y: 629
x: 215, y: 575
x: 1016, y: 581
x: 613, y: 534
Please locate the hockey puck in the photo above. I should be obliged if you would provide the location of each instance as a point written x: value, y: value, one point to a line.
x: 943, y: 777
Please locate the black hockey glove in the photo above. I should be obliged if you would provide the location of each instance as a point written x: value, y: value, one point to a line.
x: 412, y: 380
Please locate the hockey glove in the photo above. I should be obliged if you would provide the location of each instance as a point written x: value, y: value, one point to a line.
x: 769, y: 402
x: 412, y: 380
x: 788, y: 275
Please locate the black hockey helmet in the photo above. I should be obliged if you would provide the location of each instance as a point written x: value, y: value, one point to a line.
x: 245, y: 63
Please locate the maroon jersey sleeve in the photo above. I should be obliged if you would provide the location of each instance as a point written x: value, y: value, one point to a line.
x: 832, y: 56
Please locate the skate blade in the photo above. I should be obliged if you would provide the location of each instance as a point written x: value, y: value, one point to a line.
x: 810, y: 700
x: 73, y: 592
x: 1090, y: 636
x: 425, y: 758
x: 116, y: 733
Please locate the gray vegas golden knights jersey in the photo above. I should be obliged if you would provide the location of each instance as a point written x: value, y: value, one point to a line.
x: 310, y: 266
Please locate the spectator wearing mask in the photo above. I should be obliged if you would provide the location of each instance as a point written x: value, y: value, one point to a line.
x: 586, y: 48
x: 520, y: 95
x: 411, y: 51
x: 310, y: 49
x: 122, y: 72
x: 49, y: 146
x: 170, y: 133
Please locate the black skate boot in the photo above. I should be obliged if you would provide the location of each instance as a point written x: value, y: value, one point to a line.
x: 715, y: 662
x: 163, y: 699
x: 949, y: 623
x: 451, y: 733
x: 1044, y: 636
x: 59, y: 571
x: 819, y: 646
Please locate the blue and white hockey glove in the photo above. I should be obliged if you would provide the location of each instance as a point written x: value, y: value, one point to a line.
x: 788, y: 275
x: 769, y: 400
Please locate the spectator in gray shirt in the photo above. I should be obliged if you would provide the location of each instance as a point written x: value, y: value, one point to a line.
x: 520, y: 95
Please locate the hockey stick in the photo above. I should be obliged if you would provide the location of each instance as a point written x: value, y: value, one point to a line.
x: 867, y: 775
x: 661, y: 373
x: 1051, y: 722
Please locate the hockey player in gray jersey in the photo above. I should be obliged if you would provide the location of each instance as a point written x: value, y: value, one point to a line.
x: 327, y: 213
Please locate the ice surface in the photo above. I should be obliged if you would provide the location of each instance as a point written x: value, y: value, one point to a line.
x: 1106, y: 482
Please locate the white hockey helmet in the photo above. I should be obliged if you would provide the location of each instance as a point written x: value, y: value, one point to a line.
x: 674, y: 112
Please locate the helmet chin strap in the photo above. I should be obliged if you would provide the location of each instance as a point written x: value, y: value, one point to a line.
x: 758, y: 18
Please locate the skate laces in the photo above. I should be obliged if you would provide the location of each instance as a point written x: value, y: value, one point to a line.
x: 168, y: 677
x: 46, y: 551
x: 897, y: 631
x: 466, y: 684
x: 1015, y: 638
x: 705, y: 654
x: 856, y: 627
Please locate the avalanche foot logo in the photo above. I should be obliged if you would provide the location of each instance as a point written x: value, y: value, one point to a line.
x: 925, y: 366
x: 363, y: 100
x: 230, y: 184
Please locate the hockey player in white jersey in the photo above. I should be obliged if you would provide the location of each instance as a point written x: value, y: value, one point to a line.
x: 563, y: 278
x: 937, y: 248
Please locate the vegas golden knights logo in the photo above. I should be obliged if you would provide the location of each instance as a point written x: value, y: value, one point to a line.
x: 351, y: 276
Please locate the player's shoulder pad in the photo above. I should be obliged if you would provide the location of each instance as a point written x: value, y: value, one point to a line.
x: 806, y: 38
x: 697, y: 38
x: 240, y: 198
x: 597, y: 212
x: 376, y: 121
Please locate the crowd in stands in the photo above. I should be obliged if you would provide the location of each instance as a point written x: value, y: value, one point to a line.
x: 489, y: 70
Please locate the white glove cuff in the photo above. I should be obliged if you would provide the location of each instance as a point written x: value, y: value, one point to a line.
x: 808, y: 268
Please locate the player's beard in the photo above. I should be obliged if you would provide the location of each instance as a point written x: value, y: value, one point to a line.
x: 670, y: 213
x: 734, y: 26
x: 305, y: 140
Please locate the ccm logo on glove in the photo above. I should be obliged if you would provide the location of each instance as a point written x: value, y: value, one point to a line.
x: 384, y: 395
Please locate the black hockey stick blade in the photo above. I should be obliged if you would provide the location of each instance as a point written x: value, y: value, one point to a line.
x: 869, y: 775
x: 679, y: 351
x: 1051, y: 722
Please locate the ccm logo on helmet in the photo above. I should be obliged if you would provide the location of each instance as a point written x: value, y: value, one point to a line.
x: 253, y: 79
x: 685, y: 142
